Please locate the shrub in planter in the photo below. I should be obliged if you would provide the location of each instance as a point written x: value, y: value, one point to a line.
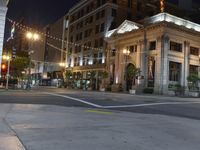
x: 193, y: 80
x: 148, y: 90
x: 103, y: 76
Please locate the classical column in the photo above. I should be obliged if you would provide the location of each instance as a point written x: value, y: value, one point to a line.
x: 162, y: 65
x: 185, y: 70
x: 143, y: 62
x: 117, y: 61
x: 165, y: 64
x: 138, y: 55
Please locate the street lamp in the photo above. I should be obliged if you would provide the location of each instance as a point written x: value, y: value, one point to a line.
x: 29, y: 69
x: 62, y: 65
x: 31, y: 36
x: 7, y: 58
x: 126, y: 53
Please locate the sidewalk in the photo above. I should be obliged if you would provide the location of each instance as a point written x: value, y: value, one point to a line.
x: 42, y: 127
x: 8, y: 138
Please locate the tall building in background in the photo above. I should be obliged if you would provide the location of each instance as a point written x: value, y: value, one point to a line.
x: 88, y: 23
x: 54, y: 53
x: 181, y: 8
x: 3, y: 11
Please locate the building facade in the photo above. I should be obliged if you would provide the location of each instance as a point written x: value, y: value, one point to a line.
x: 3, y: 11
x: 88, y: 23
x: 165, y: 48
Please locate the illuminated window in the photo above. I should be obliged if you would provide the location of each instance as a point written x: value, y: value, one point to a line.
x: 174, y: 71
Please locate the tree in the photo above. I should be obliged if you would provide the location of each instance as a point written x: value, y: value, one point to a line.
x: 193, y: 81
x: 92, y: 78
x: 68, y: 77
x: 19, y: 64
x: 132, y: 73
x: 103, y: 75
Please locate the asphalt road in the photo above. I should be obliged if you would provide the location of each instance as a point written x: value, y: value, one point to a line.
x: 148, y: 104
x: 34, y: 120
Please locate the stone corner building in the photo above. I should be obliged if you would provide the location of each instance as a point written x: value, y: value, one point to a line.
x: 165, y: 48
x: 3, y: 11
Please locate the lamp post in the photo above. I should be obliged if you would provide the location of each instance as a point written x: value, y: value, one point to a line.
x: 62, y: 65
x: 126, y: 54
x: 29, y: 69
x: 7, y: 58
x: 32, y: 37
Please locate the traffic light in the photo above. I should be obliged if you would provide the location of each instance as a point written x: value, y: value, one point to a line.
x: 3, y: 69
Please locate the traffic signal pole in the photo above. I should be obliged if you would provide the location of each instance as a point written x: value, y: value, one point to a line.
x: 8, y: 74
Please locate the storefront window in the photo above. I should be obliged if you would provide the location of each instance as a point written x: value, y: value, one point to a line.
x: 174, y: 71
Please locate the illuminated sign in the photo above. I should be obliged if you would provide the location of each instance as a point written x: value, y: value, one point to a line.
x: 162, y: 6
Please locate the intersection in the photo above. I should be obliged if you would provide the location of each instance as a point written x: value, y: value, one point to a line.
x: 81, y: 120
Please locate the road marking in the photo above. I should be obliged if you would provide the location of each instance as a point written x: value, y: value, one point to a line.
x: 76, y: 99
x: 122, y: 106
x: 150, y: 104
x: 99, y: 112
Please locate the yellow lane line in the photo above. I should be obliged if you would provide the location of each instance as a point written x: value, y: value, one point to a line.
x: 97, y: 111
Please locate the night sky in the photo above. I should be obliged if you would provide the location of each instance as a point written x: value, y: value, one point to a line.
x: 37, y: 13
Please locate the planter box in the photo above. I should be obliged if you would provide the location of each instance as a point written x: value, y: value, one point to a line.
x: 132, y: 92
x: 89, y: 89
x: 115, y: 88
x: 102, y: 89
x: 171, y: 93
x: 193, y: 94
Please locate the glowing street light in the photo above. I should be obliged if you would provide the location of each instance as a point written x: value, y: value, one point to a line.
x: 32, y: 36
x: 35, y: 36
x: 7, y: 58
x: 29, y: 35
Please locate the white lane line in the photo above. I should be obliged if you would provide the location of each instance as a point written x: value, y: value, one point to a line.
x: 76, y: 99
x: 122, y: 106
x: 151, y: 104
